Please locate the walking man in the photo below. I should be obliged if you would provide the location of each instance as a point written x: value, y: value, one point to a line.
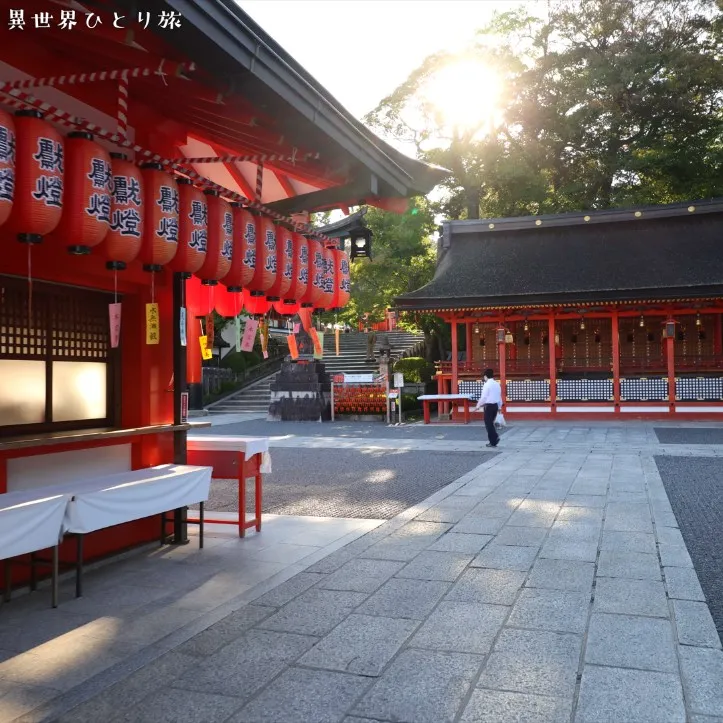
x: 491, y: 401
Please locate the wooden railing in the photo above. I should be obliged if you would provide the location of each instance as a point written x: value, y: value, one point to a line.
x: 628, y: 366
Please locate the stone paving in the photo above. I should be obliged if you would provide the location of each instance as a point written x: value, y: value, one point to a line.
x: 550, y: 583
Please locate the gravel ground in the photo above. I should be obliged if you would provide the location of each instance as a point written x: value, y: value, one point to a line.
x: 688, y: 435
x: 348, y: 483
x: 695, y: 489
x: 354, y: 430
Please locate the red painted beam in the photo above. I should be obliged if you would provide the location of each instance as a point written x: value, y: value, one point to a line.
x: 307, y: 172
x: 285, y: 184
x: 237, y: 176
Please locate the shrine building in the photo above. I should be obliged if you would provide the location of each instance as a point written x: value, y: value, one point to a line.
x: 597, y: 314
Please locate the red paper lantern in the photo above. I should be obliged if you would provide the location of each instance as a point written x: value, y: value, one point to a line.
x: 7, y: 165
x: 328, y: 282
x: 287, y: 307
x: 300, y: 272
x: 123, y: 240
x: 284, y: 264
x: 160, y: 224
x: 265, y: 266
x: 255, y: 305
x: 192, y: 229
x: 38, y: 203
x: 315, y: 289
x: 220, y: 240
x: 342, y: 290
x: 228, y: 303
x: 243, y: 259
x: 200, y: 299
x: 88, y: 184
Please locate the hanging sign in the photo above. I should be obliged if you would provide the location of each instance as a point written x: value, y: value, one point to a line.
x: 305, y: 316
x: 265, y: 354
x: 297, y: 327
x: 319, y: 348
x: 337, y: 332
x: 247, y: 343
x: 314, y: 334
x: 153, y: 326
x: 293, y: 347
x: 237, y: 320
x: 184, y: 407
x: 182, y: 322
x: 114, y: 313
x: 210, y: 329
x: 398, y: 379
x: 206, y: 352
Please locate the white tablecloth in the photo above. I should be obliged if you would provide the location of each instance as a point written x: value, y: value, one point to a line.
x: 30, y: 520
x: 128, y: 496
x: 445, y: 397
x: 248, y: 445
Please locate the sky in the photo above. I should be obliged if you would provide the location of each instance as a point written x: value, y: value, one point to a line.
x: 361, y: 50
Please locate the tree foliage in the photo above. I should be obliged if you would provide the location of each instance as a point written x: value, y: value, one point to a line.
x: 604, y: 103
x: 403, y: 260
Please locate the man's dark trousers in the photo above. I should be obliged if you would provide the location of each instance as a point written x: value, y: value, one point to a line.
x: 490, y: 416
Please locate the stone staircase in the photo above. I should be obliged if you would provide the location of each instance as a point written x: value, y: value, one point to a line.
x: 253, y: 399
x: 353, y: 351
x: 256, y: 398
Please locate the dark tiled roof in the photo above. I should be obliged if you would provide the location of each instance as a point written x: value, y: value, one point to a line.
x: 665, y: 253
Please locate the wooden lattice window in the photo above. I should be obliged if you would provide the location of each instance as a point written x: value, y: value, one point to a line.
x: 56, y: 366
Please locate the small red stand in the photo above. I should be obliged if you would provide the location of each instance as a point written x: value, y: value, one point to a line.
x: 227, y: 465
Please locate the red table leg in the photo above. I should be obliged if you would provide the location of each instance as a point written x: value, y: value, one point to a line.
x: 241, y: 495
x: 258, y: 500
x: 427, y: 415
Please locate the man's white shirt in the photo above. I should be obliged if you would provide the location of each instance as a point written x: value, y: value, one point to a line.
x: 491, y: 394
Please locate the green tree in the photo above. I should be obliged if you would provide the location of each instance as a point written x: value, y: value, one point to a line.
x: 603, y: 103
x: 403, y: 260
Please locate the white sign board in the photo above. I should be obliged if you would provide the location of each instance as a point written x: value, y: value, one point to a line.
x: 358, y: 378
x: 398, y: 379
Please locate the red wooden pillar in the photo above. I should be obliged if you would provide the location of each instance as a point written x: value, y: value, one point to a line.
x: 468, y: 341
x: 502, y: 357
x: 670, y: 350
x: 616, y: 360
x: 193, y: 362
x: 455, y: 354
x: 553, y: 359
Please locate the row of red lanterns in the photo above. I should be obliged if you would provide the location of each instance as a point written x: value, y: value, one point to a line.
x: 74, y: 192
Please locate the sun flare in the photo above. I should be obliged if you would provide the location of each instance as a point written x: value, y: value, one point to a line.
x: 465, y: 93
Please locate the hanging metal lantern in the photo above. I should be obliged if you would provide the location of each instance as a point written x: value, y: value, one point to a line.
x: 7, y: 165
x: 88, y: 184
x: 122, y: 243
x: 160, y: 224
x: 220, y: 240
x: 243, y: 259
x: 192, y: 229
x: 284, y: 264
x: 38, y: 202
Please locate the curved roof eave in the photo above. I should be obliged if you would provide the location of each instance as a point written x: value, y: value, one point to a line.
x: 230, y: 28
